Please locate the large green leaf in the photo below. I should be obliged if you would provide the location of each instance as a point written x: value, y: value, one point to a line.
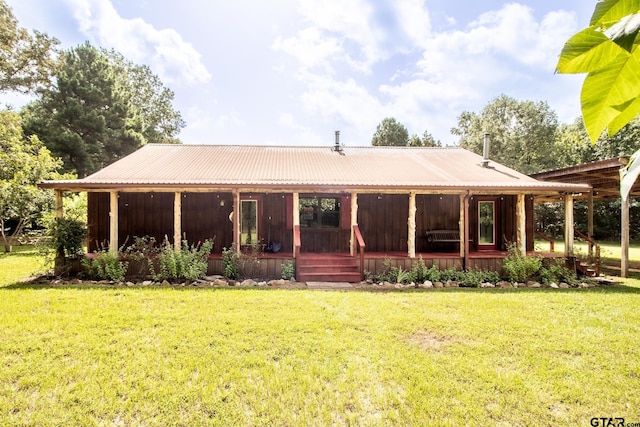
x: 589, y: 50
x: 603, y: 90
x: 628, y: 112
x: 608, y: 12
x: 629, y: 175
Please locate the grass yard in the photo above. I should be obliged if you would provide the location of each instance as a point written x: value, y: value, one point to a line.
x: 23, y: 262
x: 181, y: 356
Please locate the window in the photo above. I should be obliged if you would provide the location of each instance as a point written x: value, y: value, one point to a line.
x: 319, y: 212
x: 487, y: 224
x: 248, y: 222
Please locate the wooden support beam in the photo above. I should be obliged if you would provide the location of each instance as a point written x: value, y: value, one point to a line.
x: 177, y: 221
x: 59, y: 204
x: 113, y: 221
x: 354, y: 221
x: 466, y: 230
x: 521, y: 225
x: 296, y: 219
x: 411, y: 225
x: 461, y: 222
x: 568, y: 225
x: 590, y: 221
x: 624, y: 238
x: 236, y: 221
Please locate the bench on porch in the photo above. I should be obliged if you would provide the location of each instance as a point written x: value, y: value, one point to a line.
x: 443, y: 236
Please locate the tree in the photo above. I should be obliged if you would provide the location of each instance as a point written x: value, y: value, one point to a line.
x: 390, y: 133
x: 427, y: 140
x: 24, y: 161
x: 101, y: 109
x: 26, y: 60
x: 522, y: 133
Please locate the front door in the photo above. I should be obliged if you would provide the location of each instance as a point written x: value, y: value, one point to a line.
x: 487, y: 239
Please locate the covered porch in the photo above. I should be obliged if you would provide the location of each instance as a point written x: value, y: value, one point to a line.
x: 328, y: 235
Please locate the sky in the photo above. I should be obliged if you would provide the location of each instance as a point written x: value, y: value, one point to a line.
x: 292, y: 72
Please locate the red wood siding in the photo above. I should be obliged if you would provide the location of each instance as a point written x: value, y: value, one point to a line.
x: 383, y: 221
x: 97, y: 220
x: 205, y: 215
x: 145, y: 214
x: 436, y: 212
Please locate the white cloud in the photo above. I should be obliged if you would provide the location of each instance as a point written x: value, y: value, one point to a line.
x: 163, y: 50
x: 311, y: 47
x: 442, y: 73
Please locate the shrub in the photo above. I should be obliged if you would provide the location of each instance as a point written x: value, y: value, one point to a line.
x: 106, y: 265
x: 287, y: 270
x: 557, y: 272
x: 189, y: 263
x: 230, y: 263
x: 68, y: 236
x: 519, y: 267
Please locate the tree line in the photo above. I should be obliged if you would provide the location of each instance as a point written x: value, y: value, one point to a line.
x: 90, y: 107
x: 527, y: 136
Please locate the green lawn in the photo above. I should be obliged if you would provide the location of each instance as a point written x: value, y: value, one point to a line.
x: 22, y: 262
x: 184, y: 356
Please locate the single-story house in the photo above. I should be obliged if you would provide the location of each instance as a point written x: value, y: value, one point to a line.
x: 335, y: 211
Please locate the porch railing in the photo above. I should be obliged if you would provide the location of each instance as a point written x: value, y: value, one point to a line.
x: 543, y: 236
x: 594, y: 259
x: 361, y: 245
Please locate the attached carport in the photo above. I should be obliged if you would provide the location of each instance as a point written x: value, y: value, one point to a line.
x: 604, y: 178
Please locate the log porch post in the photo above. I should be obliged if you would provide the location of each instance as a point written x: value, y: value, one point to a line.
x: 177, y: 221
x: 354, y: 221
x: 113, y: 221
x: 296, y: 219
x: 59, y: 204
x: 568, y: 225
x: 624, y: 238
x: 236, y: 220
x: 461, y: 222
x: 411, y: 225
x: 590, y: 221
x: 521, y: 225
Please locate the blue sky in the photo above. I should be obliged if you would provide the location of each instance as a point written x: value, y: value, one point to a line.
x: 291, y: 72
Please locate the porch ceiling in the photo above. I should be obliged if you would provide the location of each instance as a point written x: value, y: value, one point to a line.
x: 603, y: 176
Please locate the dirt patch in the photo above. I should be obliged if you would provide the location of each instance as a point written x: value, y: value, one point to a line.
x: 429, y: 342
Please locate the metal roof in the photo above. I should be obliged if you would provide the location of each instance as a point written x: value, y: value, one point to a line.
x: 602, y: 175
x: 366, y: 168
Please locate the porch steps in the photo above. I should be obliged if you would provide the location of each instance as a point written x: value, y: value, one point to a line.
x: 327, y: 268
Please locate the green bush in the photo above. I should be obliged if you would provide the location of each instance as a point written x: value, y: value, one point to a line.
x: 106, y: 265
x: 287, y: 270
x: 230, y: 263
x: 68, y: 236
x: 557, y: 272
x: 519, y: 267
x: 189, y: 263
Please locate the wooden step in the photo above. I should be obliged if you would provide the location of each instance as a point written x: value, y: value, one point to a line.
x: 328, y: 268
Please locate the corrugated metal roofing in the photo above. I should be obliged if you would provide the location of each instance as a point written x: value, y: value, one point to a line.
x: 355, y: 167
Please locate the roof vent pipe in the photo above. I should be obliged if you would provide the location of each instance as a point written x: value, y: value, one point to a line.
x: 485, y: 150
x: 337, y: 147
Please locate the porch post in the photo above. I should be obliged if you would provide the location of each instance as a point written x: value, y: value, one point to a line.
x: 113, y: 221
x: 461, y: 222
x: 354, y: 222
x: 411, y: 237
x: 590, y: 221
x: 59, y: 204
x: 624, y: 238
x: 177, y: 221
x: 521, y: 225
x: 466, y: 230
x: 236, y: 220
x: 568, y: 225
x: 296, y: 219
